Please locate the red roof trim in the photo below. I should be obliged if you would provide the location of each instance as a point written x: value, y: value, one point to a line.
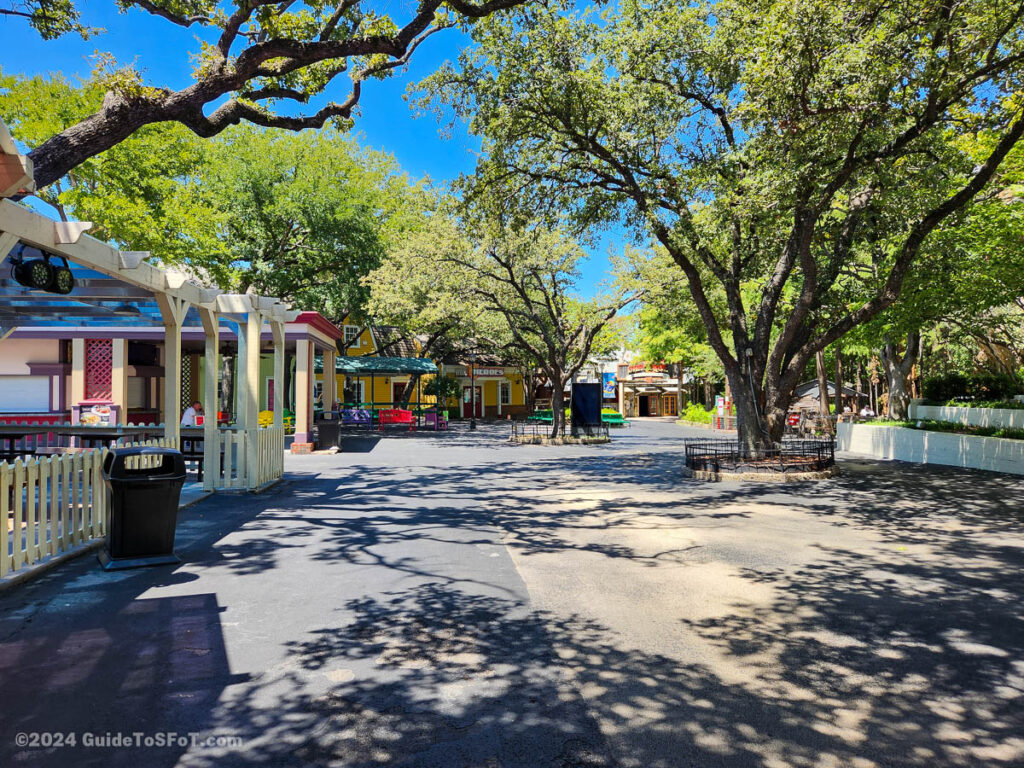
x: 321, y: 323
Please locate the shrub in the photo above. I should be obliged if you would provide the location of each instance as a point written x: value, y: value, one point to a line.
x: 1013, y: 405
x: 987, y: 387
x: 1009, y: 433
x: 696, y: 412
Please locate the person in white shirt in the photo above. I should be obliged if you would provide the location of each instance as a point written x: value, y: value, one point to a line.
x: 188, y: 418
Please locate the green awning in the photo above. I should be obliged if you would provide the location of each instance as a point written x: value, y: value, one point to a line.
x: 382, y: 366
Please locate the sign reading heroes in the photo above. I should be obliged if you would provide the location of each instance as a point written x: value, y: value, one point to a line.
x: 480, y: 372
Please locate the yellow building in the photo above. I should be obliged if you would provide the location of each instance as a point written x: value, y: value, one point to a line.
x: 500, y: 389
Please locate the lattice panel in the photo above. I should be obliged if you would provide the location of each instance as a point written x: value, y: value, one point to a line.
x: 99, y: 360
x: 187, y: 395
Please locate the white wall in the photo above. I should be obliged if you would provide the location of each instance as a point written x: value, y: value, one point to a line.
x: 16, y: 354
x: 923, y: 447
x: 976, y: 417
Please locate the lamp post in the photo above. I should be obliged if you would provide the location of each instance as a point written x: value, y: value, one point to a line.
x: 472, y: 390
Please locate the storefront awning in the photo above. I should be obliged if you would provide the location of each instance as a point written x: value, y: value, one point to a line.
x: 383, y: 366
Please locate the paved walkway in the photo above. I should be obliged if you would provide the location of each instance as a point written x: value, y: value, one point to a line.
x: 449, y: 600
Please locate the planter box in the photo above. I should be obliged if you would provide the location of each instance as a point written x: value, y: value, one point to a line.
x: 974, y: 417
x: 995, y: 454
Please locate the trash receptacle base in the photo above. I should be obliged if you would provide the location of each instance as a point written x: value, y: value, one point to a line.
x: 123, y: 563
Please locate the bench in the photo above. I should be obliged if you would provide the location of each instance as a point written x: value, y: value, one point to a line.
x: 399, y: 416
x: 356, y: 417
x: 614, y: 419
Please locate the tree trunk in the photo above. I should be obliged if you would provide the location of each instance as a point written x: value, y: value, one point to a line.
x: 859, y: 383
x: 227, y: 383
x: 679, y: 391
x: 839, y: 381
x: 897, y: 369
x: 557, y: 406
x: 823, y: 412
x: 750, y: 431
x: 410, y: 388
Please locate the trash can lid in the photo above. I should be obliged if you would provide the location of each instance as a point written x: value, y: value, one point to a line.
x: 171, y: 464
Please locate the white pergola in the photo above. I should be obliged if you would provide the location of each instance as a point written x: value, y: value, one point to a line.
x: 161, y: 296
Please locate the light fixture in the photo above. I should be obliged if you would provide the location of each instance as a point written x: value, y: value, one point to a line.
x: 126, y: 309
x: 40, y: 275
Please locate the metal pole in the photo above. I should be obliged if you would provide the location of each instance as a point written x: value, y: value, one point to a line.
x: 472, y: 393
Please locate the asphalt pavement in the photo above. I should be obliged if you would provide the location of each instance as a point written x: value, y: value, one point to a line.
x: 452, y: 600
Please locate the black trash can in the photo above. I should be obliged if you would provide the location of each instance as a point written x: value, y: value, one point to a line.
x: 143, y: 506
x: 327, y: 433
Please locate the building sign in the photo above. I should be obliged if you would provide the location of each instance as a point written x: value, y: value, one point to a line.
x: 652, y: 367
x: 499, y: 372
x: 608, y: 385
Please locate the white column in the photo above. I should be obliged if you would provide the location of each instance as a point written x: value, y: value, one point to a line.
x: 173, y: 312
x: 119, y: 378
x: 211, y: 367
x: 303, y: 390
x: 253, y: 327
x: 77, y: 393
x: 277, y: 329
x: 241, y: 361
x: 330, y: 380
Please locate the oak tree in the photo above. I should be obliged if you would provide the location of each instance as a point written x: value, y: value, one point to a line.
x: 805, y: 149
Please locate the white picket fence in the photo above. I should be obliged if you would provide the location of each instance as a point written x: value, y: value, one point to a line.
x: 227, y: 466
x: 271, y: 455
x: 48, y: 506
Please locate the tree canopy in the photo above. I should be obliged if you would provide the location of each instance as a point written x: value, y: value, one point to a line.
x: 302, y: 216
x: 513, y: 286
x: 805, y: 149
x: 257, y: 61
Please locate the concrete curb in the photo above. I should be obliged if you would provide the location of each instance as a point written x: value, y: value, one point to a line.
x: 13, y: 580
x: 761, y: 477
x: 45, y: 566
x: 531, y: 440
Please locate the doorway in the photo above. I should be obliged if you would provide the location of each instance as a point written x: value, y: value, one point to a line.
x: 467, y: 402
x: 644, y: 406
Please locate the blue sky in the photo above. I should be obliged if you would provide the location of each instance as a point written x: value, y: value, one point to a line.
x: 161, y: 51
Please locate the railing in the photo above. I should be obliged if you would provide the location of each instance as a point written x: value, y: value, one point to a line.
x: 48, y: 506
x: 788, y: 456
x: 535, y: 429
x: 26, y: 440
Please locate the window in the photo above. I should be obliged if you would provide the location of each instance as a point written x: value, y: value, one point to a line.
x: 351, y: 334
x: 506, y: 392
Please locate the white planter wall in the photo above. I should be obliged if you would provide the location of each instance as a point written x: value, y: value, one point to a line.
x: 975, y: 417
x: 923, y: 447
